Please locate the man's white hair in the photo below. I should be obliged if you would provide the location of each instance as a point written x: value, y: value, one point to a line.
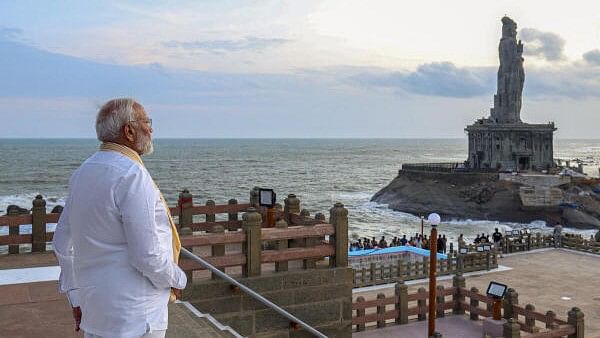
x: 113, y: 116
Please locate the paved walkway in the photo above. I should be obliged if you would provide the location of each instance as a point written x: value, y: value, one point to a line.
x: 451, y: 326
x: 31, y: 307
x: 554, y: 279
x: 35, y: 310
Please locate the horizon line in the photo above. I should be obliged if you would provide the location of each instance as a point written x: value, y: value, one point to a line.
x: 279, y: 138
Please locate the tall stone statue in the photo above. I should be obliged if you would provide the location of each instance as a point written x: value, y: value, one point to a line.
x: 507, y: 101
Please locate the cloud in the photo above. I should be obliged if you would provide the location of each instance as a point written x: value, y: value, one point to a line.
x: 10, y: 33
x: 434, y: 79
x: 545, y: 45
x: 573, y: 80
x: 592, y: 57
x: 251, y: 43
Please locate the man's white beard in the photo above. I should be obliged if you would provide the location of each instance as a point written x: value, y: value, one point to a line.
x: 144, y: 144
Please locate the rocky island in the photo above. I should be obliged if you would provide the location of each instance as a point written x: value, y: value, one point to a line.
x: 510, y: 174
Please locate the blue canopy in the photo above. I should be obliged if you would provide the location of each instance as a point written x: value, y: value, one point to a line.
x: 392, y: 250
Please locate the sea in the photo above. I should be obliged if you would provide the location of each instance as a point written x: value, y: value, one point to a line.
x: 319, y: 171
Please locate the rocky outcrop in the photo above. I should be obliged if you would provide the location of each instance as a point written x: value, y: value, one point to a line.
x: 16, y: 210
x: 579, y: 219
x: 483, y: 196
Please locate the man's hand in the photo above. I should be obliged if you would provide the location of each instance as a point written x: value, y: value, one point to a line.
x: 77, y: 317
x: 177, y: 293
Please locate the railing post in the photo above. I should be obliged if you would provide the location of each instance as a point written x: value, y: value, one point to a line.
x: 575, y: 318
x: 441, y: 301
x: 338, y: 217
x: 362, y: 276
x: 309, y: 242
x: 421, y: 304
x: 232, y: 216
x: 380, y: 311
x: 210, y: 218
x: 185, y: 204
x: 458, y: 297
x: 529, y: 319
x: 254, y: 198
x: 474, y: 304
x: 511, y: 329
x: 251, y: 221
x: 282, y: 245
x: 511, y: 299
x: 360, y: 313
x: 401, y: 293
x: 373, y: 274
x: 405, y: 270
x: 13, y: 230
x: 291, y: 206
x: 460, y: 263
x: 550, y: 318
x: 217, y: 249
x: 319, y: 216
x: 399, y: 271
x: 38, y: 224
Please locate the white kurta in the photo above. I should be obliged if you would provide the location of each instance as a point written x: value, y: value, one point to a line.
x: 114, y: 245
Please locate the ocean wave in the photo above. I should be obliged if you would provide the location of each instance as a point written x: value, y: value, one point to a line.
x: 26, y: 200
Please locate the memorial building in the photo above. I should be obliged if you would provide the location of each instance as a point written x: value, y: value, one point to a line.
x: 502, y: 141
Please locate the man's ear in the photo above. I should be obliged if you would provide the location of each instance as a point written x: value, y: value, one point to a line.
x: 129, y: 132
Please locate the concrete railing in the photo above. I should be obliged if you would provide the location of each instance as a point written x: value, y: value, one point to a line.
x: 402, y: 270
x: 577, y: 242
x: 526, y: 242
x: 300, y: 238
x: 446, y: 167
x: 184, y: 213
x: 37, y: 219
x: 403, y: 308
x: 435, y: 167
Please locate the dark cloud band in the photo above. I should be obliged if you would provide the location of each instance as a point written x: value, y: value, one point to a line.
x: 250, y: 43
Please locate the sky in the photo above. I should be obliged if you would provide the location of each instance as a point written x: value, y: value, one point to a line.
x: 293, y: 69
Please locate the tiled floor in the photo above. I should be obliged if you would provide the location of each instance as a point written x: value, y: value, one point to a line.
x: 451, y: 326
x: 35, y: 310
x: 554, y: 280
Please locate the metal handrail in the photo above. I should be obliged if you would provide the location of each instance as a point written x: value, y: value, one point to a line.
x: 252, y: 293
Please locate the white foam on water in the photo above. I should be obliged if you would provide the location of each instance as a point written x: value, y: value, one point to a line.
x: 26, y: 200
x: 25, y: 229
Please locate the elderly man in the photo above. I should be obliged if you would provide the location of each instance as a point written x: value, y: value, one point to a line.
x: 116, y: 241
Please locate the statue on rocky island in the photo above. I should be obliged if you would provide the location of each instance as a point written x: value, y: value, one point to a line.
x: 511, y: 76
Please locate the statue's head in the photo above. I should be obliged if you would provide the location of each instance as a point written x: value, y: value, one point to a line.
x: 509, y: 28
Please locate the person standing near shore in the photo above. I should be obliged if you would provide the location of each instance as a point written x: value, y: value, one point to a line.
x: 497, y: 237
x: 115, y: 241
x: 557, y: 235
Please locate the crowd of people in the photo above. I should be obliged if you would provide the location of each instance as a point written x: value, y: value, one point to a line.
x: 418, y: 241
x: 421, y: 241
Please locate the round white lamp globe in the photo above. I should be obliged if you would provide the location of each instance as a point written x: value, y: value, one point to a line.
x: 434, y: 219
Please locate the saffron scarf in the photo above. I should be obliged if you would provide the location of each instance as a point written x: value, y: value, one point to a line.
x: 134, y: 156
